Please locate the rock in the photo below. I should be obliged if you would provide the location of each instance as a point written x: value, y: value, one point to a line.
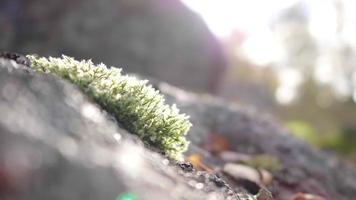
x: 157, y: 38
x: 19, y: 59
x: 242, y: 172
x: 187, y: 166
x: 266, y: 177
x: 13, y: 62
x: 302, y: 168
x: 264, y: 194
x: 57, y: 144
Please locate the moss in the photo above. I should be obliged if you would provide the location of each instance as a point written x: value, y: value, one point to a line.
x: 265, y: 161
x: 137, y: 106
x: 304, y: 131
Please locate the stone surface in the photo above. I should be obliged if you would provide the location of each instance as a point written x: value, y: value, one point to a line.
x: 303, y: 169
x: 57, y: 144
x: 157, y: 38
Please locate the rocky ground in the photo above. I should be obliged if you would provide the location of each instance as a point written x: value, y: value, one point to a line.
x: 232, y: 134
x: 58, y: 144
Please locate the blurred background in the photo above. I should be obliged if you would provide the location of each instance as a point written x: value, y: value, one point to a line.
x: 295, y: 59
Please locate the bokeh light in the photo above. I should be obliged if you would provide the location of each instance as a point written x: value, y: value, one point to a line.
x: 126, y: 196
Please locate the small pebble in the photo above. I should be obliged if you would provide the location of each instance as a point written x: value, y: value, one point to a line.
x: 117, y: 137
x: 264, y: 194
x: 304, y: 196
x: 199, y: 186
x: 238, y: 171
x: 165, y: 161
x: 266, y: 177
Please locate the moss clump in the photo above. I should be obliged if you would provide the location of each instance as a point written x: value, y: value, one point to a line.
x: 136, y: 105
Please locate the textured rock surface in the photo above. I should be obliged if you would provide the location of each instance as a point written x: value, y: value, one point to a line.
x: 304, y: 169
x: 57, y: 144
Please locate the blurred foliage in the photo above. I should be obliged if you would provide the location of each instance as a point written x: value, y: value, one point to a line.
x: 342, y: 141
x: 321, y: 119
x: 311, y: 84
x: 305, y: 131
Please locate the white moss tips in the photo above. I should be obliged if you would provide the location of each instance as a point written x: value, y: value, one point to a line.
x: 136, y: 105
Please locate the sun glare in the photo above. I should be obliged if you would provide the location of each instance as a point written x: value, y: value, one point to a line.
x: 225, y: 16
x: 262, y: 45
x: 289, y: 79
x: 323, y: 11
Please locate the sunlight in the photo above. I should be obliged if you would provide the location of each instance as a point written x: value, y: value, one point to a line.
x: 323, y: 11
x: 329, y: 22
x: 225, y: 16
x: 262, y: 48
x: 324, y: 70
x: 289, y: 79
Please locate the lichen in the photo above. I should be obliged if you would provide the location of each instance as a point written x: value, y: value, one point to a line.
x: 135, y: 104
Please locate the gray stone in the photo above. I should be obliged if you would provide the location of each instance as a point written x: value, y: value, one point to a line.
x: 251, y: 132
x: 156, y: 38
x: 55, y: 143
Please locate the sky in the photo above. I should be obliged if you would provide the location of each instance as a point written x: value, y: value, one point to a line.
x: 330, y: 28
x: 224, y: 16
x: 251, y: 18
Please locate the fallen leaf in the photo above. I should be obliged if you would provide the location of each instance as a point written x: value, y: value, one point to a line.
x: 216, y: 143
x: 197, y: 162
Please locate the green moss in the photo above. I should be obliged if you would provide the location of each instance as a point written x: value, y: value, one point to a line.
x: 265, y: 161
x: 136, y: 105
